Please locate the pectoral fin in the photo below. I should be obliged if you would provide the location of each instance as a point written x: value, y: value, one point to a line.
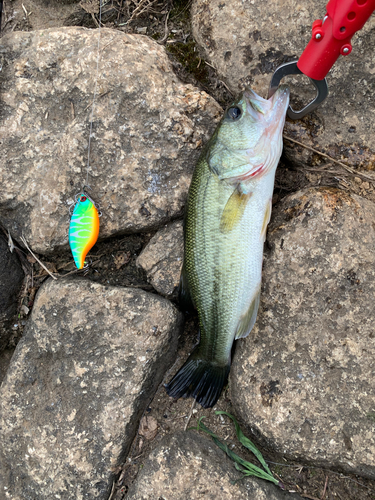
x: 247, y: 321
x: 233, y: 210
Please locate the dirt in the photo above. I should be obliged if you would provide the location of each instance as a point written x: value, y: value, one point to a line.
x: 114, y: 261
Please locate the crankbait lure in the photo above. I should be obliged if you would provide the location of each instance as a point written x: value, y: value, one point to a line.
x: 83, y: 228
x: 84, y: 223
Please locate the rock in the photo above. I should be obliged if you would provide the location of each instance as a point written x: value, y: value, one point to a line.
x: 162, y: 259
x: 79, y: 381
x: 5, y: 357
x: 247, y: 41
x: 11, y: 277
x: 148, y: 427
x: 189, y: 466
x: 147, y: 130
x: 304, y: 379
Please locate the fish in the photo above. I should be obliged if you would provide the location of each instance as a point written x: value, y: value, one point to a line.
x: 83, y: 229
x: 227, y: 212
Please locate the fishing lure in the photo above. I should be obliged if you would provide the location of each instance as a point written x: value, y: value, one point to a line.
x: 84, y: 223
x: 83, y: 228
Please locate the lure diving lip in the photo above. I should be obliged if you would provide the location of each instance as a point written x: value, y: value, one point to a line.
x: 83, y: 228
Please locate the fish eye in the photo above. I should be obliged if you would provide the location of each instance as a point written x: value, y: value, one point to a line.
x: 234, y: 113
x: 83, y: 198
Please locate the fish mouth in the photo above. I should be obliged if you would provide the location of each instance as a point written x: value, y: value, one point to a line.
x: 272, y: 110
x: 280, y: 103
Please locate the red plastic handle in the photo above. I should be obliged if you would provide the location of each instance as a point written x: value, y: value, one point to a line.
x: 331, y: 37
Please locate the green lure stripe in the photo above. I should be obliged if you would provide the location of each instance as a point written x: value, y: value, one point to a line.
x: 83, y: 229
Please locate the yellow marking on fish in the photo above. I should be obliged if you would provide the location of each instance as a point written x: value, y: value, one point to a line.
x: 233, y: 210
x: 266, y: 219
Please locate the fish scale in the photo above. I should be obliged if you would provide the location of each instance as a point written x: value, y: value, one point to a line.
x: 227, y: 212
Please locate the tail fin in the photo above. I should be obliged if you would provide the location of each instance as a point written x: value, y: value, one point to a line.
x: 200, y: 379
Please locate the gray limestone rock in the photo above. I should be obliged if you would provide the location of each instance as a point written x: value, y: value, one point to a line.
x: 247, y: 41
x: 162, y: 259
x: 305, y: 377
x: 147, y: 130
x: 189, y: 466
x: 80, y: 379
x: 11, y: 277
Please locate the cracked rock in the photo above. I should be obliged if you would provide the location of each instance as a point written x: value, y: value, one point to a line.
x: 189, y: 466
x: 247, y: 41
x: 81, y: 377
x: 304, y: 379
x: 162, y: 259
x: 147, y: 131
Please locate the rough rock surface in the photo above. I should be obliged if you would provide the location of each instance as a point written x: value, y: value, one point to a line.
x: 11, y: 277
x: 162, y: 259
x: 5, y: 357
x: 147, y: 129
x: 305, y: 377
x: 89, y: 362
x: 189, y: 466
x: 247, y: 41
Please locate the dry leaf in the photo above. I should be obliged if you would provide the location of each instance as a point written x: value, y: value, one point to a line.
x: 121, y: 259
x: 25, y: 310
x: 148, y: 427
x: 90, y: 6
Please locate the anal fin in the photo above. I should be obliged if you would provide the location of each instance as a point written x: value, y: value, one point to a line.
x: 247, y: 320
x: 233, y: 210
x: 266, y: 219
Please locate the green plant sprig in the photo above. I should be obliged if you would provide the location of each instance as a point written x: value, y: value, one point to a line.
x: 247, y: 468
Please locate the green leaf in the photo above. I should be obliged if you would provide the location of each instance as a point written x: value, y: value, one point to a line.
x: 249, y: 469
x: 246, y: 441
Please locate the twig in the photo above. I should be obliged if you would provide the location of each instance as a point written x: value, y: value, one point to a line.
x: 343, y: 165
x: 112, y: 491
x: 190, y: 414
x: 210, y: 65
x: 36, y: 258
x: 325, y: 489
x: 331, y: 472
x: 226, y: 86
x: 94, y: 19
x: 166, y: 31
x: 140, y: 9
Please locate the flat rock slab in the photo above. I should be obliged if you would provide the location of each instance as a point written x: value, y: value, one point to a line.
x: 189, y: 466
x: 162, y: 259
x: 11, y: 278
x: 147, y: 131
x: 305, y: 377
x: 247, y: 41
x: 80, y: 379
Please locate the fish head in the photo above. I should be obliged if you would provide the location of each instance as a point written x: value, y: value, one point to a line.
x: 250, y: 135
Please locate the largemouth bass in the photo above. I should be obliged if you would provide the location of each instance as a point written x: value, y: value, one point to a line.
x: 227, y: 213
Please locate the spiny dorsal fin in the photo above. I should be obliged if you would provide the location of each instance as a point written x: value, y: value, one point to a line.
x: 233, y: 210
x: 247, y: 321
